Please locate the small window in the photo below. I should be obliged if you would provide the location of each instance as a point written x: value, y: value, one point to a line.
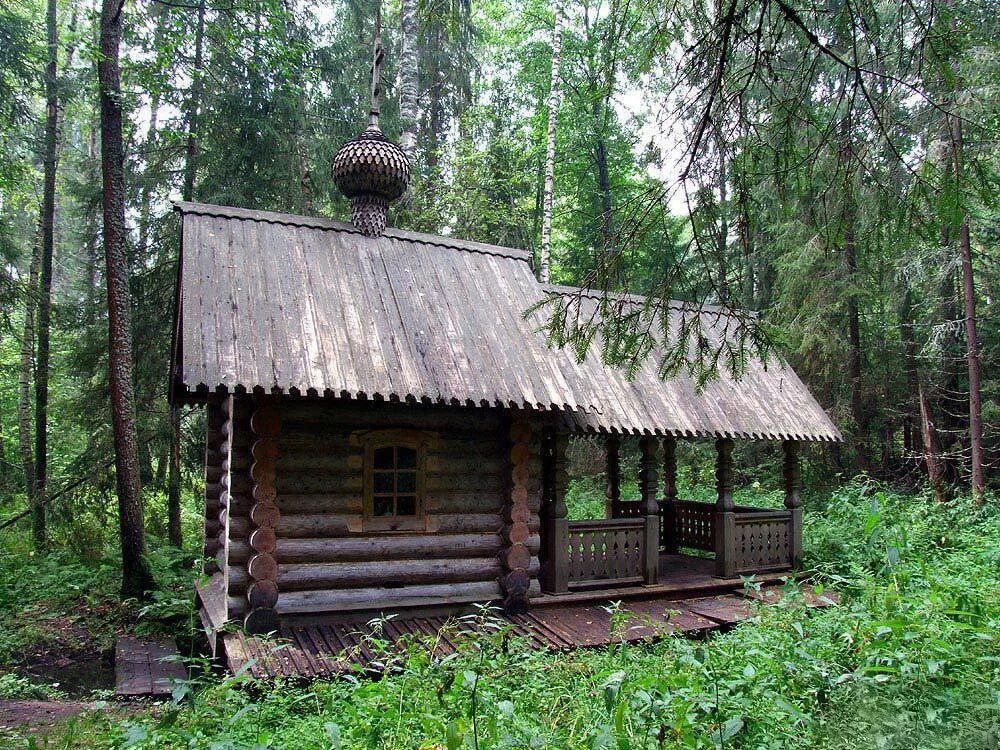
x: 393, y: 481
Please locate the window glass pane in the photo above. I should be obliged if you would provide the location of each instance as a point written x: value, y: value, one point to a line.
x: 406, y: 505
x: 406, y: 482
x: 383, y: 458
x: 382, y: 506
x: 406, y: 458
x: 383, y: 482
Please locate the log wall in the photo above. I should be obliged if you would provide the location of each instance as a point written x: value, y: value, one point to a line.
x: 328, y: 557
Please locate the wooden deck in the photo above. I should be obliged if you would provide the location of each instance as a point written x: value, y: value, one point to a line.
x: 146, y: 667
x: 327, y: 650
x: 679, y: 576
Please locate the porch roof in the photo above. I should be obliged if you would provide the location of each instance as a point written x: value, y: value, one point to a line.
x: 310, y: 306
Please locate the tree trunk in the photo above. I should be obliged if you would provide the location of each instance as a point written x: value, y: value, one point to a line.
x: 855, y: 359
x: 193, y: 108
x: 91, y: 261
x: 46, y: 224
x: 137, y: 580
x: 850, y: 250
x: 971, y: 335
x: 174, y: 481
x: 722, y: 242
x: 545, y: 252
x: 936, y: 472
x: 409, y: 68
x: 912, y: 413
x: 24, y: 386
x: 603, y: 179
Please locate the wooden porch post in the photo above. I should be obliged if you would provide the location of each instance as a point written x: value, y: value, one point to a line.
x: 669, y: 509
x: 613, y: 494
x: 793, y: 499
x: 650, y: 509
x: 725, y: 510
x: 555, y: 527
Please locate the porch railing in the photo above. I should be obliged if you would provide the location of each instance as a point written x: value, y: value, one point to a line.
x: 744, y: 540
x: 605, y: 551
x: 687, y: 523
x: 760, y: 539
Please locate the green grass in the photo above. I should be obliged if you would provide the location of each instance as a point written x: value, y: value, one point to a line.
x: 909, y: 660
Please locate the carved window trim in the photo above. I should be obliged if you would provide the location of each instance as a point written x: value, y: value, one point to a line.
x: 371, y: 441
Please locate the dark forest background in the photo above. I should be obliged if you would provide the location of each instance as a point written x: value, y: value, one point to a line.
x: 831, y: 165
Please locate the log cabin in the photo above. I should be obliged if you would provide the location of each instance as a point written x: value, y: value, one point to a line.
x: 387, y: 429
x: 387, y: 420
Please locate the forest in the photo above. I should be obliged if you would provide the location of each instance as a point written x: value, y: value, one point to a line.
x: 831, y: 165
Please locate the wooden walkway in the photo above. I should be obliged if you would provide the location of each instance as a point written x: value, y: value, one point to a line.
x: 328, y: 650
x: 146, y: 667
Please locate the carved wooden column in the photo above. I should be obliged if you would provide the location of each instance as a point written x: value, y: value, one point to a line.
x: 613, y: 493
x: 793, y: 499
x: 555, y: 527
x: 515, y: 557
x: 262, y: 568
x: 669, y: 508
x: 725, y: 510
x: 650, y: 509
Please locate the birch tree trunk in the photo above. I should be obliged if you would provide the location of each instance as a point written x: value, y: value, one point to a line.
x: 137, y: 580
x: 409, y: 68
x: 545, y: 253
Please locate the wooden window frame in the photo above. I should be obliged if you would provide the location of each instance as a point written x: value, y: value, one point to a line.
x: 413, y: 439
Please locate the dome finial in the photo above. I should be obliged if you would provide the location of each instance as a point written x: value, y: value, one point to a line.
x: 371, y: 170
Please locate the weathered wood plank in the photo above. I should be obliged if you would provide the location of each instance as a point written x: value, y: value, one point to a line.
x: 146, y: 667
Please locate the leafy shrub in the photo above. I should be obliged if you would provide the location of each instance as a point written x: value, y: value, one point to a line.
x: 909, y: 659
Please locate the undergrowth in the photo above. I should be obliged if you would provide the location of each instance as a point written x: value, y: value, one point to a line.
x: 908, y: 660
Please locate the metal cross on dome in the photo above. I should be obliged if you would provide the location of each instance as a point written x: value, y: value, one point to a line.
x: 370, y: 170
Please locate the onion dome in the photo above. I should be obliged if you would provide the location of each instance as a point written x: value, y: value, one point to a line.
x: 371, y: 171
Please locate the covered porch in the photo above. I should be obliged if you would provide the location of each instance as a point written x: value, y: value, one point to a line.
x: 661, y: 543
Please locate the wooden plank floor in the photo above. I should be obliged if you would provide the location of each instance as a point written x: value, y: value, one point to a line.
x: 331, y: 649
x: 146, y: 667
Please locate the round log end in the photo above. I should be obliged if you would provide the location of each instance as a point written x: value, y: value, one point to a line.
x: 517, y: 557
x: 262, y: 594
x: 263, y: 620
x: 266, y: 420
x: 518, y: 532
x: 262, y: 540
x: 519, y: 453
x: 262, y: 472
x: 520, y: 431
x: 265, y: 514
x: 263, y: 567
x: 517, y: 514
x: 264, y: 450
x: 265, y: 493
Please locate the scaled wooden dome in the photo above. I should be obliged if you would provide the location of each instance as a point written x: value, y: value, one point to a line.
x: 371, y: 171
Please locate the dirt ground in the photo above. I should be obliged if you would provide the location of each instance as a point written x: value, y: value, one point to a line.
x: 32, y: 717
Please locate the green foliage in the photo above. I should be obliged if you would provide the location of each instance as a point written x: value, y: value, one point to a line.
x: 69, y: 602
x: 907, y: 660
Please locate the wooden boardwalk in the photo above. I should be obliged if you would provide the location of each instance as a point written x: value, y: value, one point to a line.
x: 147, y: 667
x: 328, y: 650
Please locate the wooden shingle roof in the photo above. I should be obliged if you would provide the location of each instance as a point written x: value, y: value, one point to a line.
x: 310, y: 306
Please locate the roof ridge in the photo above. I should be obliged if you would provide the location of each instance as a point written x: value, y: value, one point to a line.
x: 333, y: 225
